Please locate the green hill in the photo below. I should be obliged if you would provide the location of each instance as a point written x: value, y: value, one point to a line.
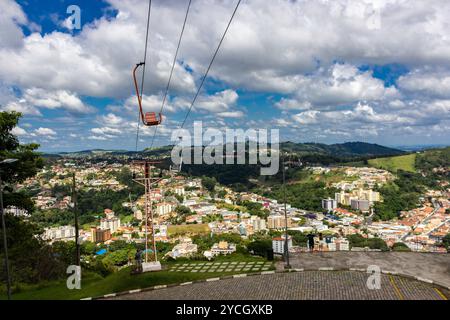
x: 393, y: 164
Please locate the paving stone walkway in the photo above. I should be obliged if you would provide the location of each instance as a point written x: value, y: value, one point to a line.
x: 221, y: 267
x: 308, y: 285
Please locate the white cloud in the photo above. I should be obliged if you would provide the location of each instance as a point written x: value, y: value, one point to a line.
x: 18, y: 131
x: 11, y: 18
x: 45, y: 132
x: 98, y: 138
x: 21, y: 106
x: 111, y: 119
x: 340, y: 84
x: 305, y: 53
x: 217, y: 103
x: 106, y: 131
x: 430, y: 83
x: 56, y: 99
x: 231, y: 114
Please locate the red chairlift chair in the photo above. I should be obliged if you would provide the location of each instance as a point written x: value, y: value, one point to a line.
x: 149, y: 119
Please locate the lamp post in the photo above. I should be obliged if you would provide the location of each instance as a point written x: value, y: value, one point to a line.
x: 5, y: 245
x: 286, y: 240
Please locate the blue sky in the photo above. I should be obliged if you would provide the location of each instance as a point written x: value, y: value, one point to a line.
x: 315, y: 70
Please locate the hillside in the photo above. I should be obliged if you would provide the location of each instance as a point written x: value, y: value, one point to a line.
x: 434, y: 158
x: 393, y: 164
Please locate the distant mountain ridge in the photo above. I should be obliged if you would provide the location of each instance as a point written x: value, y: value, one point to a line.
x: 348, y: 149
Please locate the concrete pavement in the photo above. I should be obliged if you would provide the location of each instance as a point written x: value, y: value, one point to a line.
x: 435, y: 267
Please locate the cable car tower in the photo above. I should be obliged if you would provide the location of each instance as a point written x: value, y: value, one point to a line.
x: 148, y: 180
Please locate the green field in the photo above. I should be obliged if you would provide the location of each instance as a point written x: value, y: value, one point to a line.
x: 188, y: 229
x: 393, y: 164
x: 93, y: 285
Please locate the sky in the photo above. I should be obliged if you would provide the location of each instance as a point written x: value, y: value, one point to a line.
x: 327, y: 71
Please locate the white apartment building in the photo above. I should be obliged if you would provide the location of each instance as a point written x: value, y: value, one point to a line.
x: 279, y: 243
x: 164, y: 208
x: 278, y: 222
x: 64, y: 233
x: 111, y: 222
x: 258, y: 224
x: 329, y: 204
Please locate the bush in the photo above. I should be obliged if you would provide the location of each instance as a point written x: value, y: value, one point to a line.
x: 446, y: 241
x: 260, y: 247
x: 356, y: 240
x: 400, y: 247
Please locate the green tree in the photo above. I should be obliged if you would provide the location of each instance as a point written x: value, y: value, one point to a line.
x: 260, y: 247
x: 446, y: 241
x: 209, y: 183
x: 31, y: 259
x: 28, y: 164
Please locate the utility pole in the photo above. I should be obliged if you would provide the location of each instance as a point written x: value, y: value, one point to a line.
x: 5, y: 245
x: 75, y: 211
x: 286, y: 241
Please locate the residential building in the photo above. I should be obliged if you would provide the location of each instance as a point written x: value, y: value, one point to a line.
x: 258, y: 224
x: 164, y: 208
x: 278, y: 244
x: 278, y: 222
x: 111, y: 222
x: 99, y: 235
x: 329, y: 204
x: 184, y: 249
x: 223, y: 247
x: 64, y: 233
x: 361, y: 205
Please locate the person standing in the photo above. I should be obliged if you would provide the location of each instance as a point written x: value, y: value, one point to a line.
x: 310, y: 237
x: 138, y: 258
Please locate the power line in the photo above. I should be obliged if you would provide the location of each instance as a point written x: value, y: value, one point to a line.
x: 172, y: 69
x: 143, y: 70
x: 210, y: 64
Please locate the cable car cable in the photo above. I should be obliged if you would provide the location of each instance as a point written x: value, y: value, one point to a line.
x: 143, y: 70
x: 172, y: 69
x: 210, y: 64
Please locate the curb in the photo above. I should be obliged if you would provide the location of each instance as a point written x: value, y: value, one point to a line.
x: 244, y: 275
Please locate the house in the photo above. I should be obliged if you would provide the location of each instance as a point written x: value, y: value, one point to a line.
x: 223, y: 247
x: 184, y: 249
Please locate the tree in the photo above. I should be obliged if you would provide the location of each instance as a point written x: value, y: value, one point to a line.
x: 28, y: 164
x: 209, y: 183
x: 31, y: 259
x: 446, y: 241
x: 260, y: 247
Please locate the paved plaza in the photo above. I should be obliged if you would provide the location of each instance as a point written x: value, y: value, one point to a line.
x: 308, y: 285
x: 435, y: 267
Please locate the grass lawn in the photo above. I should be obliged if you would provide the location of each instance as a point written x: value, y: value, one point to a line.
x: 406, y: 163
x: 188, y: 228
x: 94, y: 285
